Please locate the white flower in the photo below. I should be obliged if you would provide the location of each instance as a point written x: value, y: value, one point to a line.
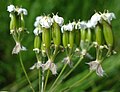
x: 51, y: 66
x: 77, y: 26
x: 22, y: 10
x: 37, y: 31
x: 83, y: 25
x: 89, y: 24
x: 37, y: 22
x: 108, y: 17
x: 46, y: 22
x: 39, y: 18
x: 58, y: 20
x: 36, y: 65
x: 95, y: 19
x: 95, y: 66
x: 68, y: 27
x: 11, y: 8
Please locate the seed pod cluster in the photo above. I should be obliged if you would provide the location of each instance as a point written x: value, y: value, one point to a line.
x: 80, y: 34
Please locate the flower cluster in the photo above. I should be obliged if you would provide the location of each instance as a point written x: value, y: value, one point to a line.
x: 51, y: 34
x: 17, y: 26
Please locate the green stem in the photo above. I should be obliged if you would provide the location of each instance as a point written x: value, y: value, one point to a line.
x: 42, y: 86
x: 68, y: 73
x: 78, y: 82
x: 39, y: 71
x: 58, y: 77
x: 73, y: 68
x: 20, y: 57
x: 48, y: 72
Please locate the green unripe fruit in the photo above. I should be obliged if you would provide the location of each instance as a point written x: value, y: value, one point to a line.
x: 22, y: 22
x: 77, y: 37
x: 37, y: 42
x: 83, y: 34
x: 56, y: 34
x: 99, y: 34
x: 46, y: 37
x: 88, y: 35
x: 71, y: 38
x: 65, y: 38
x: 108, y: 35
x: 12, y: 23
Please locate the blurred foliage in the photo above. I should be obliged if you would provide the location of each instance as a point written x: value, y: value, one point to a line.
x: 11, y: 75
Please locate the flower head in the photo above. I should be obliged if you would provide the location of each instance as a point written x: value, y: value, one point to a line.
x: 68, y: 27
x: 37, y: 30
x: 83, y: 25
x: 11, y: 8
x: 108, y: 17
x: 58, y: 20
x: 22, y: 10
x: 46, y: 22
x: 95, y: 19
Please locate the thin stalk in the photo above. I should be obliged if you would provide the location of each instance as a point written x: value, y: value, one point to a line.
x: 69, y: 72
x: 78, y: 82
x: 20, y: 57
x: 48, y: 72
x: 39, y: 71
x: 42, y: 86
x: 73, y: 67
x: 58, y: 77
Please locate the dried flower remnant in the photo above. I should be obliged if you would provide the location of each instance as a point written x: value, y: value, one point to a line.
x: 36, y: 65
x: 96, y: 66
x: 50, y: 65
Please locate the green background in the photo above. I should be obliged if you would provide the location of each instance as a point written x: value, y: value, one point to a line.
x: 11, y: 75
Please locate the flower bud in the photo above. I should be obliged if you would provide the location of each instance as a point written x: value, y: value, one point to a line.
x: 37, y: 42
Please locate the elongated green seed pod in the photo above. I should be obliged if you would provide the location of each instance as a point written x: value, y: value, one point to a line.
x: 12, y: 23
x: 37, y: 42
x: 99, y: 34
x: 65, y: 39
x: 83, y: 38
x: 56, y: 34
x: 88, y: 35
x: 77, y: 37
x: 71, y: 38
x: 46, y: 37
x: 83, y: 34
x: 108, y: 35
x: 22, y: 22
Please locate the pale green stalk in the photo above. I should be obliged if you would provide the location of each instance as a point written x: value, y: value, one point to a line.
x: 20, y: 57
